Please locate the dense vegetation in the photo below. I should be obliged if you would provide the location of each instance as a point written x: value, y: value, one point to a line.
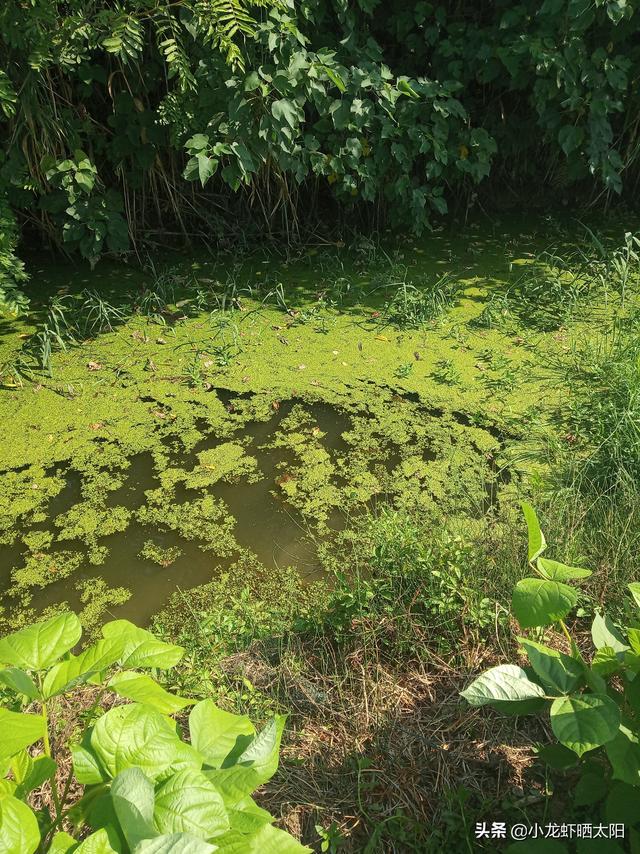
x: 121, y: 123
x: 300, y: 451
x: 145, y: 790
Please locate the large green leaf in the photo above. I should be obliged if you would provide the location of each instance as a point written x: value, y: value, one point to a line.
x: 216, y: 734
x: 19, y: 831
x: 141, y: 648
x: 262, y: 753
x: 633, y: 637
x: 40, y: 645
x: 604, y: 633
x: 634, y: 589
x: 555, y: 571
x: 35, y: 773
x: 559, y: 673
x: 20, y: 682
x: 557, y: 755
x: 207, y: 166
x: 18, y: 730
x: 505, y: 683
x: 537, y: 542
x: 77, y: 669
x: 267, y: 840
x: 287, y: 111
x: 253, y: 767
x: 623, y: 806
x: 175, y: 843
x: 62, y: 843
x: 86, y: 766
x: 590, y: 788
x: 248, y: 821
x: 144, y: 689
x: 584, y: 722
x: 538, y: 602
x: 133, y: 802
x: 136, y: 735
x: 20, y: 765
x: 248, y: 817
x: 189, y: 803
x: 98, y: 843
x: 234, y: 783
x: 605, y: 661
x: 624, y: 754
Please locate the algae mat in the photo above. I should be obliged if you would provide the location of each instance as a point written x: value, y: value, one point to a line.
x: 253, y: 408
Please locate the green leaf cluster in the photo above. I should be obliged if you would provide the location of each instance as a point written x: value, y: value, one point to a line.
x: 593, y: 702
x: 146, y: 788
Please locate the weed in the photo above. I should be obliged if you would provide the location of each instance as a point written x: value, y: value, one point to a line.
x: 495, y: 314
x: 446, y: 372
x: 193, y: 371
x: 600, y: 421
x: 42, y: 345
x: 331, y: 838
x: 224, y: 354
x: 412, y: 306
x: 404, y: 371
x: 97, y: 315
x: 277, y: 296
x: 408, y: 585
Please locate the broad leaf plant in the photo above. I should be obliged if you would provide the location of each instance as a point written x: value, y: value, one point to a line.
x: 144, y: 788
x: 593, y: 700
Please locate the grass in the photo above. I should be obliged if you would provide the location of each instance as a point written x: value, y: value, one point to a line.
x: 381, y: 755
x: 416, y: 302
x: 589, y: 488
x: 368, y: 669
x: 601, y: 420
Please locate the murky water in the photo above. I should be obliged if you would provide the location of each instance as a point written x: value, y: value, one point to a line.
x: 264, y: 524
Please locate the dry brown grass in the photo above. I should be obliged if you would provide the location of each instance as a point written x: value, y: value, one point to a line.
x: 367, y: 738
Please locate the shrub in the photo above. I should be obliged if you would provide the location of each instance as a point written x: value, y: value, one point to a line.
x: 146, y: 790
x: 593, y: 705
x: 12, y: 273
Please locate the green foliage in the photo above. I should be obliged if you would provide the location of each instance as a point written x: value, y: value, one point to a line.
x: 12, y: 273
x: 145, y: 788
x: 411, y: 586
x: 414, y: 304
x: 89, y: 221
x: 601, y: 420
x: 388, y: 114
x: 593, y: 705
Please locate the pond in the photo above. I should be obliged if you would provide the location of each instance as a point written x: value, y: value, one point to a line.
x: 257, y: 407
